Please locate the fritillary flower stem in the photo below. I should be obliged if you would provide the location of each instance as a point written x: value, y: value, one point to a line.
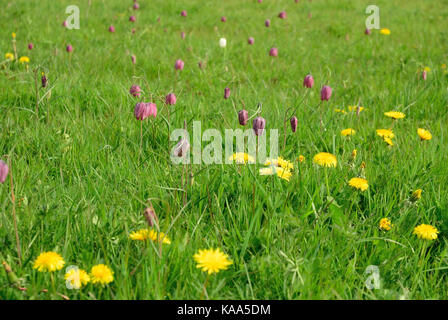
x: 204, y: 288
x: 185, y: 169
x: 141, y: 140
x: 37, y: 91
x: 13, y: 200
x: 320, y: 114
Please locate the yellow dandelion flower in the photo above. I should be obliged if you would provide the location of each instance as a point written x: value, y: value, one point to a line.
x: 386, y: 224
x: 340, y: 111
x: 13, y: 35
x: 385, y: 133
x: 426, y: 231
x: 242, y: 158
x: 358, y: 183
x: 24, y: 59
x: 77, y: 278
x: 354, y: 108
x: 416, y: 195
x: 385, y: 31
x: 301, y: 158
x: 388, y: 141
x: 279, y: 171
x: 348, y: 132
x: 395, y: 115
x: 443, y: 66
x: 424, y: 134
x: 9, y: 56
x: 363, y: 165
x: 280, y: 162
x: 427, y: 69
x: 145, y: 234
x: 354, y: 154
x: 325, y: 159
x: 101, y: 274
x: 212, y: 260
x: 48, y: 261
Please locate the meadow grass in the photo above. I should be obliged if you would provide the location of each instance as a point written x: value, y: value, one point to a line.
x: 82, y: 181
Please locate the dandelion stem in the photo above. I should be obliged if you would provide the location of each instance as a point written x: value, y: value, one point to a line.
x: 204, y: 290
x: 326, y: 181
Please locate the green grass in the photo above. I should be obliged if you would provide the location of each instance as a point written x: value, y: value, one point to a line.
x: 81, y: 186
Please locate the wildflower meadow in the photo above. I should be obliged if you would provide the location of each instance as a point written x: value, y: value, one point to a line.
x: 237, y: 149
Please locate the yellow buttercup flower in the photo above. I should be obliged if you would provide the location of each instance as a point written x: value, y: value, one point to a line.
x: 358, y: 183
x: 426, y: 231
x: 24, y: 59
x: 385, y: 133
x: 48, y: 261
x: 354, y: 108
x: 354, y: 154
x: 13, y: 35
x: 395, y: 115
x: 385, y: 224
x: 145, y: 234
x: 101, y: 274
x: 212, y: 260
x: 416, y: 195
x: 363, y: 165
x: 340, y: 111
x: 424, y: 134
x: 325, y: 159
x: 77, y: 278
x: 385, y: 31
x: 9, y: 56
x: 242, y: 158
x: 348, y: 132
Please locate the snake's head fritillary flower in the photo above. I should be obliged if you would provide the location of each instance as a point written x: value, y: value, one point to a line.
x: 424, y: 74
x: 222, y: 42
x: 273, y: 52
x: 267, y: 23
x: 170, y: 99
x: 112, y: 29
x: 308, y: 81
x: 181, y: 148
x: 325, y: 93
x: 144, y: 110
x: 136, y: 6
x: 44, y: 80
x: 69, y: 48
x: 183, y: 13
x: 223, y: 19
x: 101, y: 274
x: 367, y: 32
x: 243, y: 116
x: 48, y: 261
x: 133, y: 59
x: 250, y: 40
x: 258, y: 125
x: 182, y: 35
x: 282, y: 15
x: 179, y: 65
x: 64, y: 24
x: 226, y: 93
x: 135, y: 90
x: 424, y: 134
x: 132, y: 18
x: 150, y: 216
x: 294, y: 121
x: 212, y: 260
x: 30, y: 46
x: 4, y: 169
